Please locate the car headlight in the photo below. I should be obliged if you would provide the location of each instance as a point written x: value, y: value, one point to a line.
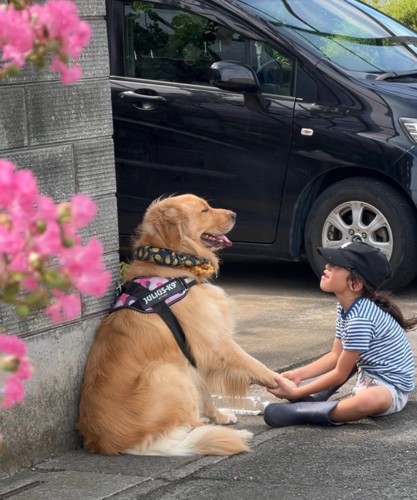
x: 410, y: 126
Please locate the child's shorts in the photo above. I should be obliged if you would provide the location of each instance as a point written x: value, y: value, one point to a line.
x: 399, y: 398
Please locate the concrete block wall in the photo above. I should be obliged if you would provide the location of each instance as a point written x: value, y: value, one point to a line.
x: 64, y: 134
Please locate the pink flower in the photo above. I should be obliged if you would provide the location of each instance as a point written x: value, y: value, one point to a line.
x: 24, y: 371
x: 64, y: 308
x: 46, y: 208
x: 60, y: 17
x: 71, y: 74
x: 83, y: 210
x: 38, y: 30
x: 68, y: 74
x: 49, y: 242
x: 13, y: 56
x: 26, y: 188
x: 14, y: 392
x: 12, y: 345
x: 36, y: 235
x: 85, y: 268
x: 6, y: 182
x: 30, y: 283
x: 80, y: 39
x: 19, y: 263
x: 17, y: 37
x: 12, y: 242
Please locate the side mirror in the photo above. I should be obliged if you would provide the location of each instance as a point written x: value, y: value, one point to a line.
x: 234, y: 76
x: 237, y: 77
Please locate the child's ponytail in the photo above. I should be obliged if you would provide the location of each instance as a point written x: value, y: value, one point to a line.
x: 385, y: 300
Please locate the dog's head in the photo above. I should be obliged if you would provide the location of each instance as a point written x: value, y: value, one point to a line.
x: 186, y: 224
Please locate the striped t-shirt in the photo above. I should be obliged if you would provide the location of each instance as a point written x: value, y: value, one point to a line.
x: 384, y: 348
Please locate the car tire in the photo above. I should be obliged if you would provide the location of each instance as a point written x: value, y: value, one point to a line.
x: 366, y: 210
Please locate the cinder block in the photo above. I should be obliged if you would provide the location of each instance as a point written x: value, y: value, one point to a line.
x: 13, y: 127
x: 45, y: 423
x: 91, y: 7
x: 104, y: 225
x: 53, y: 167
x: 94, y: 162
x: 58, y: 113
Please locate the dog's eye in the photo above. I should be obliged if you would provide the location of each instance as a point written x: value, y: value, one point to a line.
x: 205, y: 210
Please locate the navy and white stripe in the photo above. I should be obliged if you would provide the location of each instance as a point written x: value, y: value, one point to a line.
x: 384, y: 348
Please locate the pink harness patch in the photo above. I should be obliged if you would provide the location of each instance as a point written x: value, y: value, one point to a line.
x: 169, y: 290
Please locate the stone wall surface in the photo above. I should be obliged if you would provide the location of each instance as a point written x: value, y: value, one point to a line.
x: 64, y: 134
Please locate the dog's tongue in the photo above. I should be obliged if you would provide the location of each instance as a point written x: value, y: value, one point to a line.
x: 225, y: 240
x: 216, y: 241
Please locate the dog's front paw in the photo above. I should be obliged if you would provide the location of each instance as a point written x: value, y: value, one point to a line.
x: 271, y: 381
x: 225, y: 417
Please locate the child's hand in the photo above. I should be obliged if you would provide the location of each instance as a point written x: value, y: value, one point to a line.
x: 291, y: 375
x: 285, y: 389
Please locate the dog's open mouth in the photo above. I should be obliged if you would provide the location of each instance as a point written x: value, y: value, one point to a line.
x: 216, y: 241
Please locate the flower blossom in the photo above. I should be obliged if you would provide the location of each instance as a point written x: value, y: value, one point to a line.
x: 42, y: 252
x: 65, y: 307
x: 33, y: 32
x: 12, y: 345
x: 14, y: 369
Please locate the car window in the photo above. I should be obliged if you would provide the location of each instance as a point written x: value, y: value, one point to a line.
x: 350, y: 33
x: 163, y: 42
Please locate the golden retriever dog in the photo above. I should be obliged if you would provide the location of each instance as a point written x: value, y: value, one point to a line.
x: 140, y: 394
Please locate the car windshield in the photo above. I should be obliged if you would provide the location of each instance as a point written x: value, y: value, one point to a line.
x: 354, y: 36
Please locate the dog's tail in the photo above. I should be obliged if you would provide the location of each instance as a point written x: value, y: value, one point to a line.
x: 204, y: 440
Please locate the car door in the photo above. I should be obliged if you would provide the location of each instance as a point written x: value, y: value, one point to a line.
x: 174, y: 133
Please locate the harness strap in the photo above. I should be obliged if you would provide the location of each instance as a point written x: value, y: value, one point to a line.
x: 165, y: 313
x: 159, y: 305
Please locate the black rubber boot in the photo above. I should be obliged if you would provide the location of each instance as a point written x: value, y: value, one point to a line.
x: 322, y: 395
x: 283, y: 414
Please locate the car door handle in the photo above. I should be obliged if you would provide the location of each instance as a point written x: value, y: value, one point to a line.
x: 329, y: 110
x: 131, y: 96
x: 318, y: 108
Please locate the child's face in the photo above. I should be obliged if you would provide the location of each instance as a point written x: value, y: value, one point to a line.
x: 334, y: 279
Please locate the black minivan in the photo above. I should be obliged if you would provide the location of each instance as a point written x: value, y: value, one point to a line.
x: 299, y: 115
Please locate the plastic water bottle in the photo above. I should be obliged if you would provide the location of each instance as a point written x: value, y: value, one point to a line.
x: 249, y: 405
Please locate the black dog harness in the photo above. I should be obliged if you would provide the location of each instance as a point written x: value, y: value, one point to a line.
x: 153, y: 294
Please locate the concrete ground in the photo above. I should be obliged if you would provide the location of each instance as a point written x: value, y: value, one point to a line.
x: 282, y: 319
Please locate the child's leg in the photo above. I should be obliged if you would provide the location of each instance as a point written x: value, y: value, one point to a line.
x: 369, y: 402
x: 376, y: 399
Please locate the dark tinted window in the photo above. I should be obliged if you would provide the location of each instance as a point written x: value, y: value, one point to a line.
x: 167, y: 43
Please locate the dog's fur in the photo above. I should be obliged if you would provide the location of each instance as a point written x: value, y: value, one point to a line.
x: 140, y: 394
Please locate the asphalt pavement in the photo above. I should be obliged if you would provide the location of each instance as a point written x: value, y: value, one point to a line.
x: 284, y: 320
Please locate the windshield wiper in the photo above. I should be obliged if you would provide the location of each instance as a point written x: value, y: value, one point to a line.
x: 391, y: 75
x: 403, y: 39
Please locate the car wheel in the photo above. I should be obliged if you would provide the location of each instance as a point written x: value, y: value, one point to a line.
x: 368, y: 210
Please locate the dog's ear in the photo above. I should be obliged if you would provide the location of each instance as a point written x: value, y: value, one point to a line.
x: 174, y: 221
x: 172, y: 215
x: 169, y: 224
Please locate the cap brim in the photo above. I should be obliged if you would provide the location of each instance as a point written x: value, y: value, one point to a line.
x: 334, y: 256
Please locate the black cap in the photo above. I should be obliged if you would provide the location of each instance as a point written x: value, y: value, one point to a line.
x: 370, y: 263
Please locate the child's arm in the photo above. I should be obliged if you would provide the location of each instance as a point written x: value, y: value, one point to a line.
x: 287, y: 389
x: 318, y: 367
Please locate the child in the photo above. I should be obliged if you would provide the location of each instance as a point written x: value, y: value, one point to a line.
x: 369, y: 335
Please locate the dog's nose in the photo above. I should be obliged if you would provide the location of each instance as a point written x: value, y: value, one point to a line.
x: 233, y: 215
